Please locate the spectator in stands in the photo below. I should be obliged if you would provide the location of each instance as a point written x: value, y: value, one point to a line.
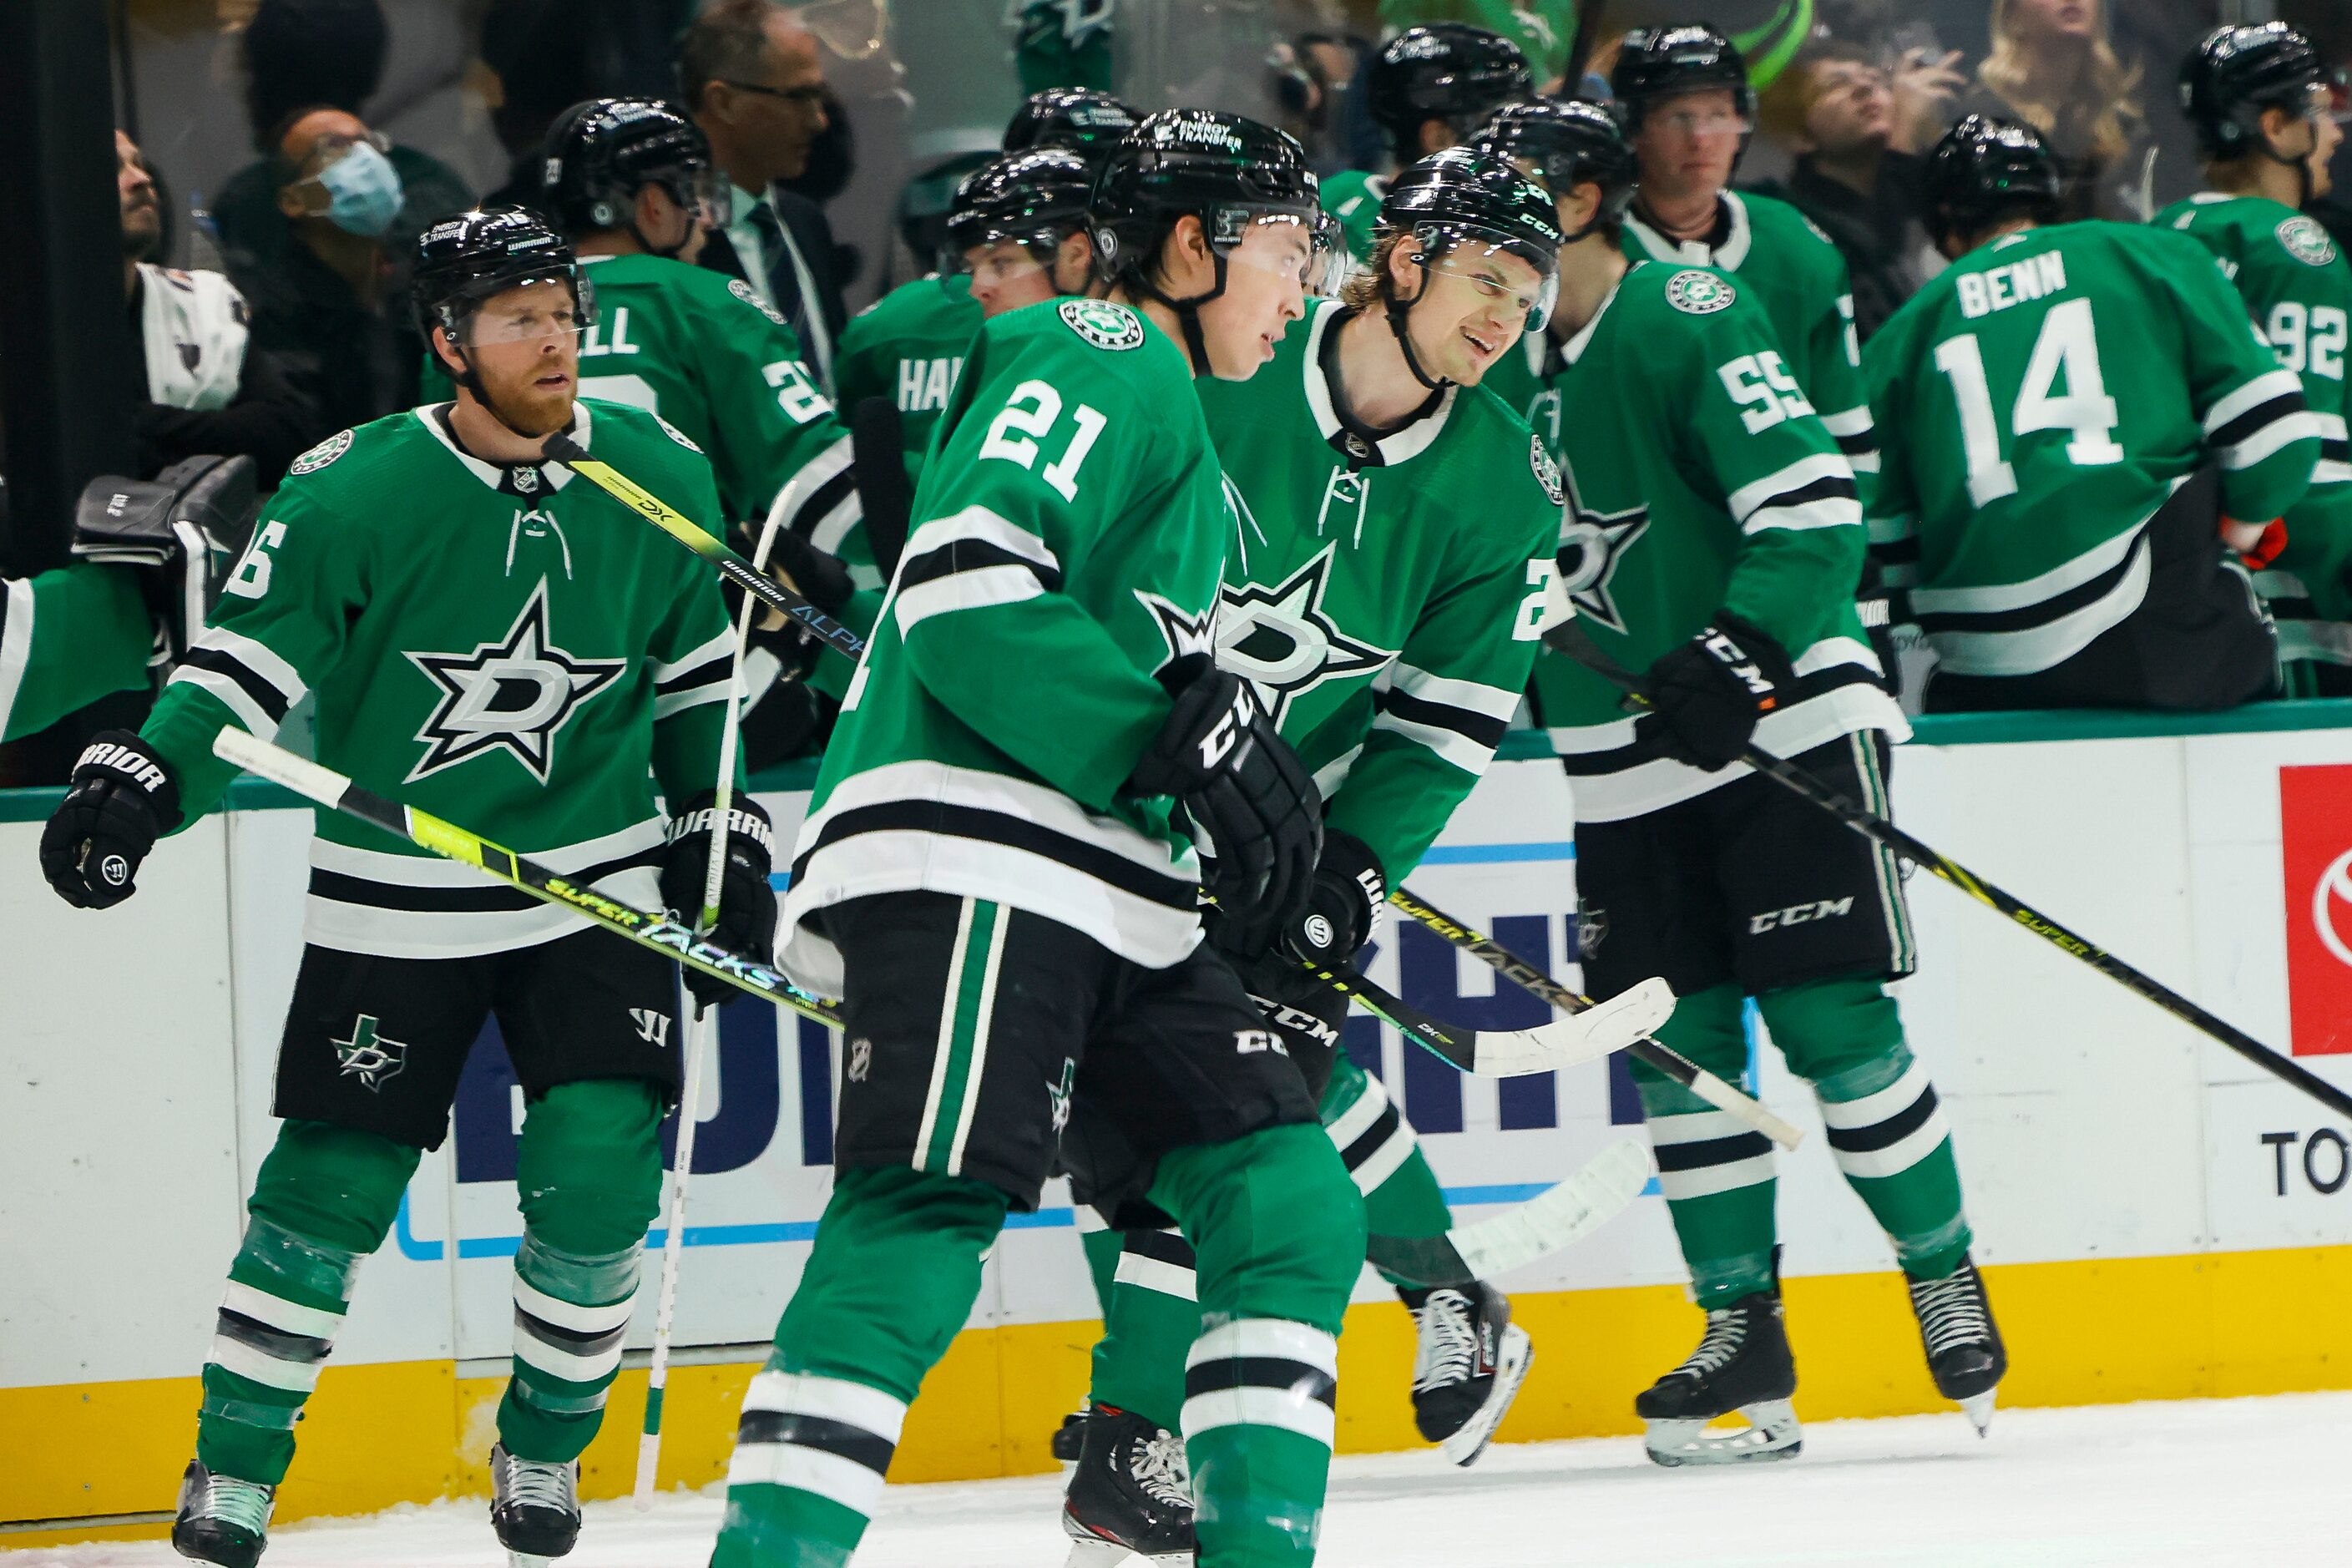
x: 2052, y: 66
x: 329, y: 301
x: 1855, y: 128
x: 202, y: 386
x: 301, y: 55
x: 754, y: 81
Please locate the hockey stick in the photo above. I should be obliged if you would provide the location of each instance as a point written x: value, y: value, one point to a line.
x: 701, y: 1038
x: 1665, y: 1059
x: 1560, y: 1216
x: 1568, y: 639
x: 1610, y: 1026
x: 663, y: 935
x: 562, y: 448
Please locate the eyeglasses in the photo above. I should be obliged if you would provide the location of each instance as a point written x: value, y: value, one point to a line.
x: 809, y: 97
x: 334, y: 145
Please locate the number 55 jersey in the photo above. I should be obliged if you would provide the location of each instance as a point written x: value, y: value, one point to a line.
x: 2038, y: 402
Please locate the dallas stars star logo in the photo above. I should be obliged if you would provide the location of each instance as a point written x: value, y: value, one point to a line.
x: 1184, y: 632
x: 513, y: 695
x: 1280, y: 639
x: 368, y: 1056
x: 1592, y: 543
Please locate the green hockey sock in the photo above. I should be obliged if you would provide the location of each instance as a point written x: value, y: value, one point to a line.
x: 588, y: 1175
x: 1885, y: 1126
x: 1279, y: 1243
x: 324, y: 1199
x: 1717, y: 1174
x: 1401, y: 1196
x: 889, y: 1282
x: 1153, y: 1320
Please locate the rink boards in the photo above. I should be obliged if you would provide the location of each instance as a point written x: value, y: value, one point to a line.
x: 2159, y: 1218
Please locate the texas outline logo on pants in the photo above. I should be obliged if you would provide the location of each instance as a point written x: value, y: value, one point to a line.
x: 368, y: 1056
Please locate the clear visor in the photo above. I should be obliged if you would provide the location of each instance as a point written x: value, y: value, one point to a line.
x: 1695, y: 121
x: 995, y: 263
x: 708, y: 195
x: 1496, y: 269
x: 1310, y: 246
x: 534, y: 309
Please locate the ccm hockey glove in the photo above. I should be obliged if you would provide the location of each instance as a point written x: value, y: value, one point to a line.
x: 747, y: 904
x: 122, y: 798
x: 1219, y: 753
x: 1709, y: 694
x: 1342, y: 905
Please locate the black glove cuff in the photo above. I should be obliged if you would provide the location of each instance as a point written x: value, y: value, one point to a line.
x: 121, y: 755
x: 1761, y: 647
x: 1351, y: 859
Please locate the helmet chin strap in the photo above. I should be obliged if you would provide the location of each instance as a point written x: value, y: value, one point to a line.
x: 1395, y: 314
x: 1188, y: 313
x: 2301, y: 167
x: 472, y: 382
x: 650, y: 248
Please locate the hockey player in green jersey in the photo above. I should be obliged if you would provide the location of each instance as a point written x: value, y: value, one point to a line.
x: 1711, y: 541
x: 908, y: 346
x: 991, y: 877
x: 69, y: 638
x: 1427, y: 89
x: 1390, y: 633
x: 496, y: 640
x: 1685, y: 95
x: 2259, y: 102
x: 2065, y: 402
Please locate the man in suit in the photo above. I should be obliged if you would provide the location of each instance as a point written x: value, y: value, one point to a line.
x: 754, y: 81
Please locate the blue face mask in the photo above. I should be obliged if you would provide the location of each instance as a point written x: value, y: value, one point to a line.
x: 363, y: 191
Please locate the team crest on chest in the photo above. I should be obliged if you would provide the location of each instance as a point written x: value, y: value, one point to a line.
x: 514, y: 695
x: 1592, y: 543
x: 1283, y: 641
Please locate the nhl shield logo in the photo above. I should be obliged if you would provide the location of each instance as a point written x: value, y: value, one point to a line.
x: 2307, y: 241
x: 1699, y: 293
x: 368, y: 1056
x: 1103, y: 323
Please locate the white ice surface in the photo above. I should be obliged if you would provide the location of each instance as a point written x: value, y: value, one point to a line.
x: 2239, y: 1481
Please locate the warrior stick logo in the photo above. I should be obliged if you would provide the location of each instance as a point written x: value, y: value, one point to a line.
x: 514, y: 695
x: 368, y: 1056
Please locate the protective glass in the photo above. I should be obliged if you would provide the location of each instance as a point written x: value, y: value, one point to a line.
x: 1320, y: 262
x: 1475, y: 266
x: 534, y: 309
x: 998, y: 262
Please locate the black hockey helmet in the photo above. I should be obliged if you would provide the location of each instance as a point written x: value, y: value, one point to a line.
x: 1567, y: 141
x: 1464, y: 200
x: 1087, y: 122
x: 1443, y: 71
x: 1226, y: 170
x: 2235, y: 73
x: 601, y: 152
x: 1985, y: 171
x: 463, y: 260
x: 1036, y: 199
x: 1657, y: 63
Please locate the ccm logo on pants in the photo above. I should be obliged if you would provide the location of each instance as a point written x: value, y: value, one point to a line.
x: 1798, y: 914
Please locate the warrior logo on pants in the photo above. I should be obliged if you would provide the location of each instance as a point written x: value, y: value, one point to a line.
x: 369, y: 1057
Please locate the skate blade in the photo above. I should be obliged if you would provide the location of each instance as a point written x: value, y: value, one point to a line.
x: 1513, y: 1354
x: 528, y: 1560
x: 1772, y: 1434
x: 1978, y: 1407
x: 1109, y: 1554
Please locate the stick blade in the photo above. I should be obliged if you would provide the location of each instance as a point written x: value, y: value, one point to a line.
x: 1560, y: 1218
x: 1599, y: 1030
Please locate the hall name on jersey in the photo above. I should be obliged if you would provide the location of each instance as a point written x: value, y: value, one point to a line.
x: 925, y: 384
x: 1998, y: 287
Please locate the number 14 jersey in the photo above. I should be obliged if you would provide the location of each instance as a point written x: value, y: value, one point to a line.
x: 2037, y: 402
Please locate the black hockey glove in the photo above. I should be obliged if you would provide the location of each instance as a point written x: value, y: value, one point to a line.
x: 747, y: 904
x: 1219, y: 754
x: 822, y: 579
x: 1341, y: 906
x: 1709, y: 693
x: 121, y: 799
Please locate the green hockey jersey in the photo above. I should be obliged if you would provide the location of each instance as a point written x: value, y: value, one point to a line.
x: 2299, y: 288
x: 908, y: 346
x: 704, y: 352
x: 1066, y: 541
x: 1354, y: 199
x: 1791, y: 268
x: 2041, y: 398
x: 508, y: 647
x: 69, y: 638
x: 1698, y: 478
x: 1388, y: 628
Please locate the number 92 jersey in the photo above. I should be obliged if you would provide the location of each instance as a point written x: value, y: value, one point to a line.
x: 1065, y: 545
x: 2037, y: 402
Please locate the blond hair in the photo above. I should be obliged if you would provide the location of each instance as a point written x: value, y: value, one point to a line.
x: 2103, y: 110
x: 1367, y: 285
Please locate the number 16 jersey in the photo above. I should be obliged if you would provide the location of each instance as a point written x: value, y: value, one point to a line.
x: 2037, y: 402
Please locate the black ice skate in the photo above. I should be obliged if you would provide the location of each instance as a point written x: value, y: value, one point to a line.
x: 534, y: 1506
x: 1467, y: 1367
x: 1071, y: 1433
x: 222, y: 1520
x: 1742, y: 1364
x: 1131, y: 1493
x: 1963, y: 1344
